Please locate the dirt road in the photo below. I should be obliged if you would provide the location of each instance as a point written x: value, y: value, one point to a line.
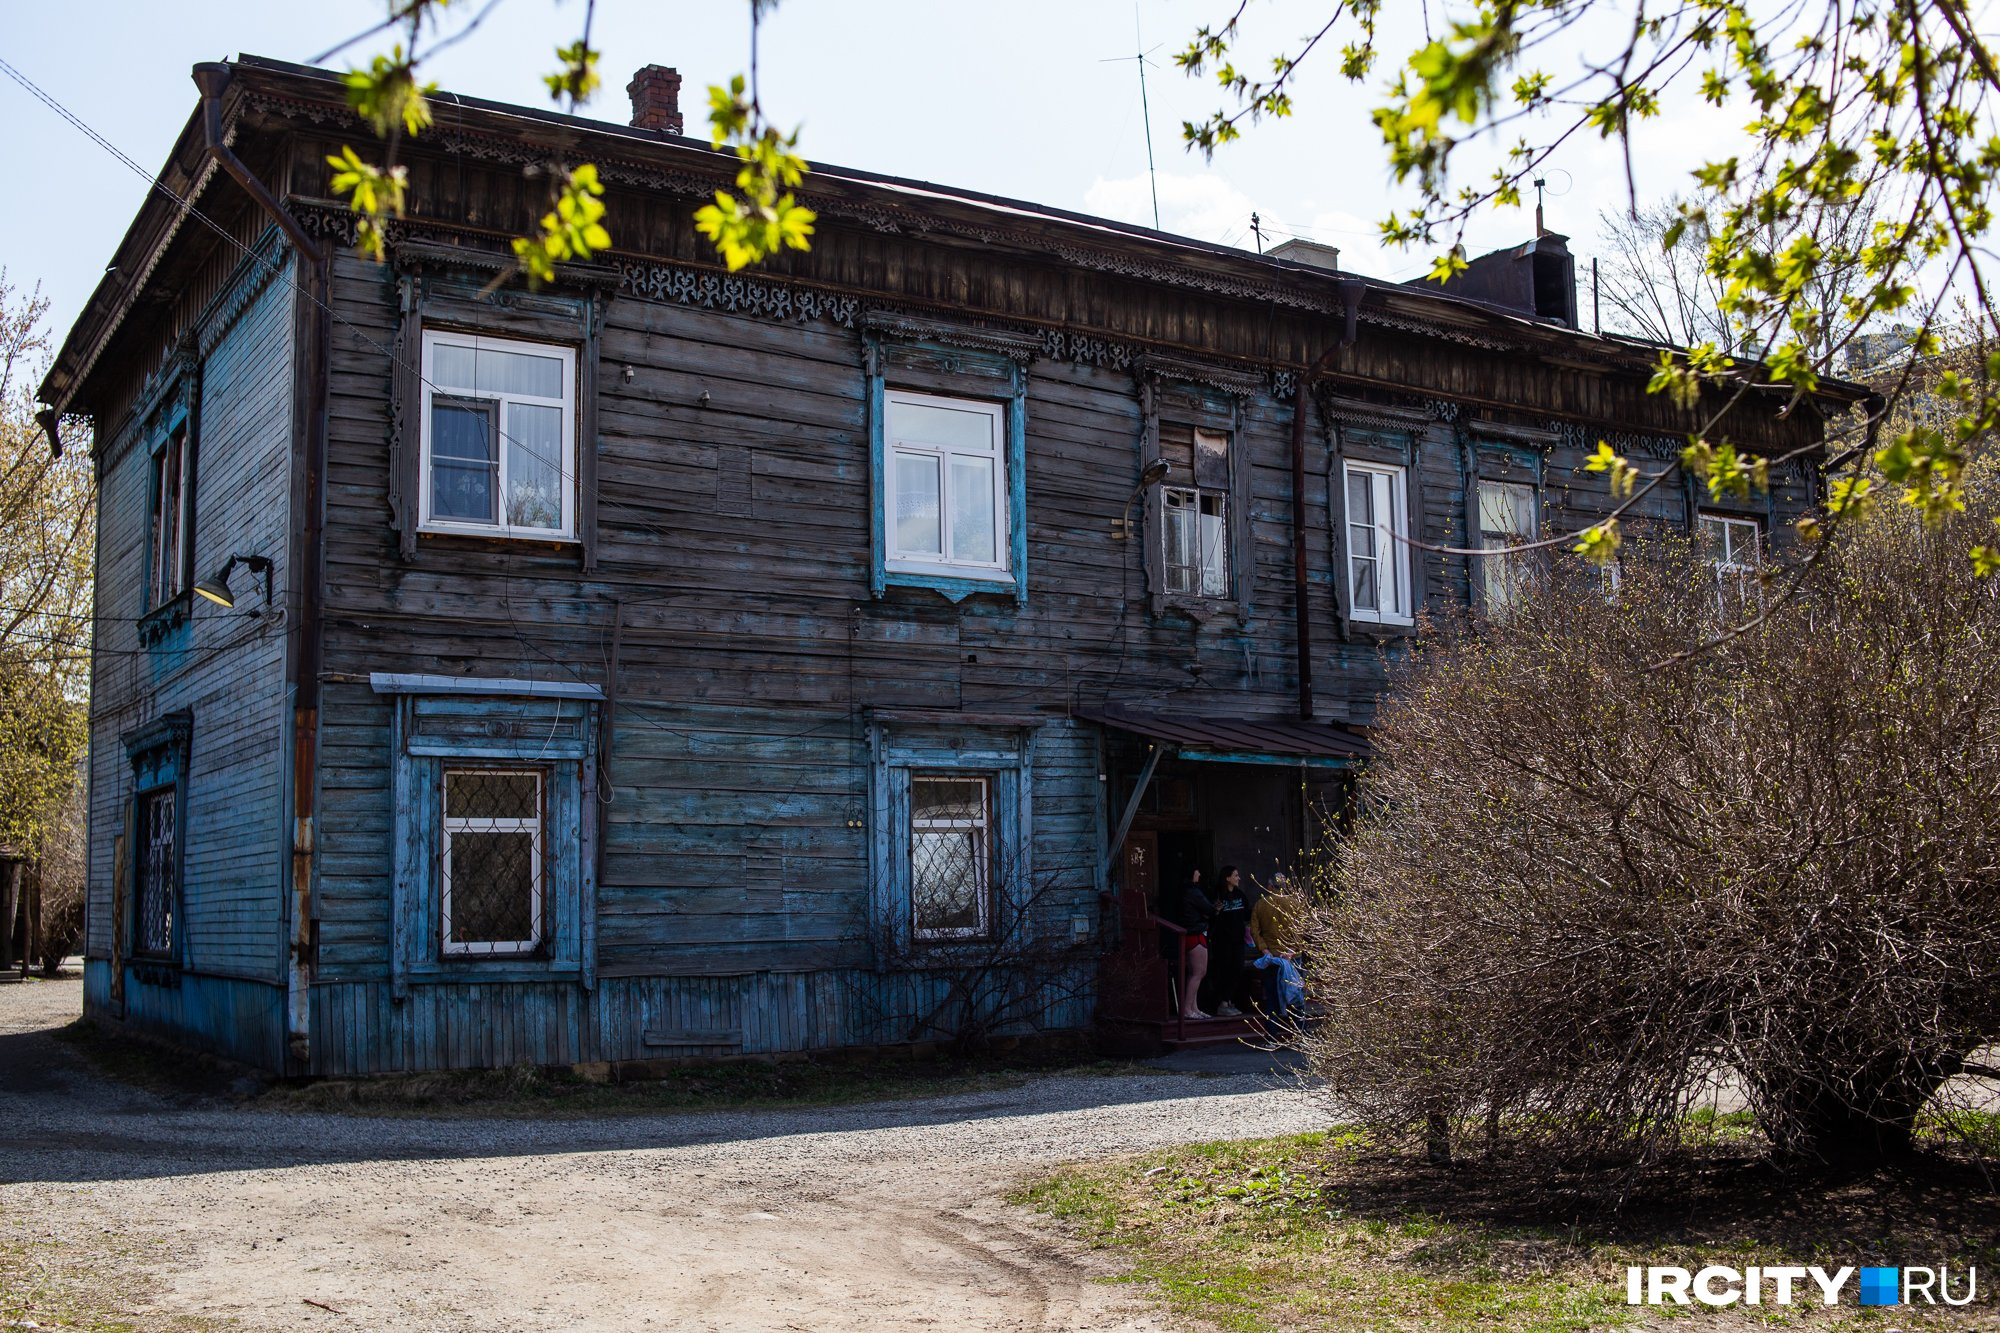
x: 886, y: 1216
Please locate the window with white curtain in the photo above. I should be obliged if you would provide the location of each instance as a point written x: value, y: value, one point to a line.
x: 1508, y: 517
x: 1378, y: 551
x: 947, y: 485
x: 1193, y: 528
x: 499, y: 432
x: 1196, y: 532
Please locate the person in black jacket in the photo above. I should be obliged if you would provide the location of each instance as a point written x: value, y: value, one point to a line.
x: 1196, y: 909
x: 1225, y: 943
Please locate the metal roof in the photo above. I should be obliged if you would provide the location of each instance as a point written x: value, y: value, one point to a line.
x: 1236, y: 740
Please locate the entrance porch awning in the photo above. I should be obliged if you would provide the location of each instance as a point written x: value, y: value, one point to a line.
x: 1287, y: 741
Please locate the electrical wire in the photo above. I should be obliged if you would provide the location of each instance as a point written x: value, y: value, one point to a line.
x: 567, y: 475
x: 187, y: 208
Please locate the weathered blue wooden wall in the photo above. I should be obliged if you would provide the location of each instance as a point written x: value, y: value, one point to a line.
x: 225, y: 667
x: 761, y: 666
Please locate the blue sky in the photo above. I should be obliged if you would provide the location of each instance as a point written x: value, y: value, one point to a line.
x: 1014, y: 99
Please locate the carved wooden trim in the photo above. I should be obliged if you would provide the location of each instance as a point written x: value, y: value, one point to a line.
x: 411, y: 254
x: 1356, y: 411
x: 1233, y: 380
x: 1532, y: 437
x: 1020, y: 348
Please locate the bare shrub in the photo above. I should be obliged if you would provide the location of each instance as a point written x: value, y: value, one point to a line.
x: 1030, y: 973
x: 62, y: 867
x: 1590, y: 877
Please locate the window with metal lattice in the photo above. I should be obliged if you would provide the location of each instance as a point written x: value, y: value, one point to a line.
x: 492, y: 847
x: 950, y: 851
x: 951, y: 856
x: 155, y: 835
x: 495, y: 793
x: 159, y: 863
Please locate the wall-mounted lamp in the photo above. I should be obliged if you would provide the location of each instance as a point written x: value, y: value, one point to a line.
x: 1152, y: 474
x: 216, y: 586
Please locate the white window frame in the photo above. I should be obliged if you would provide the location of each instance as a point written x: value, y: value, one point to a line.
x: 1727, y: 547
x: 566, y: 481
x: 1493, y: 565
x: 898, y: 561
x: 171, y: 532
x: 1391, y: 528
x: 1208, y: 577
x: 536, y: 827
x: 982, y: 864
x: 1723, y: 530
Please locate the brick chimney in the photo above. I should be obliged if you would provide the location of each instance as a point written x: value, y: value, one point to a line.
x: 656, y: 99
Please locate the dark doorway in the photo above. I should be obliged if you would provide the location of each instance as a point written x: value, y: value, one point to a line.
x: 1181, y: 854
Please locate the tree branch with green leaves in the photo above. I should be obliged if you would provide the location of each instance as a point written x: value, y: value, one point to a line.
x: 760, y: 217
x: 1874, y: 107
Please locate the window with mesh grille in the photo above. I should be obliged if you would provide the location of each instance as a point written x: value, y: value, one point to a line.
x: 158, y: 840
x: 492, y: 861
x: 950, y: 856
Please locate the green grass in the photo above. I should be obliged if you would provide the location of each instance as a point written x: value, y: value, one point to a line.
x: 1319, y: 1232
x: 81, y: 1285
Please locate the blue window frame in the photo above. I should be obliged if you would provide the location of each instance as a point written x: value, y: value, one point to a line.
x: 950, y: 837
x: 948, y: 469
x: 170, y: 446
x: 495, y: 790
x: 156, y: 893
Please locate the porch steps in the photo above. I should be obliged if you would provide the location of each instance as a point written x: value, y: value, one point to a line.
x: 1133, y: 1036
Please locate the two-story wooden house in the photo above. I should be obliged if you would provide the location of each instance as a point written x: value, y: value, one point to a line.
x: 669, y: 662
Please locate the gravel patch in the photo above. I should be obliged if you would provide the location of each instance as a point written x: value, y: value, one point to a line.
x: 880, y: 1216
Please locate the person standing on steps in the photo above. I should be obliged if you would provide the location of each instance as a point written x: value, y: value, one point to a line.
x: 1226, y: 941
x: 1196, y: 910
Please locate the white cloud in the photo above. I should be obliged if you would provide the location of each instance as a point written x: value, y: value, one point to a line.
x: 1208, y: 207
x: 1204, y: 207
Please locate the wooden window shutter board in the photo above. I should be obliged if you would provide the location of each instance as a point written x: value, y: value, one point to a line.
x: 586, y: 430
x: 1236, y: 485
x: 1413, y: 502
x: 1150, y: 518
x: 1468, y: 466
x: 1337, y: 518
x: 406, y: 431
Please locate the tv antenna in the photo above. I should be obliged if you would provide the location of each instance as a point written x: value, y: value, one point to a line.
x: 1145, y: 110
x: 1541, y: 184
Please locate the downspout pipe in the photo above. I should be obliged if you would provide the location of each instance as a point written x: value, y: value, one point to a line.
x: 304, y: 646
x: 1301, y: 608
x: 1350, y: 296
x: 212, y: 77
